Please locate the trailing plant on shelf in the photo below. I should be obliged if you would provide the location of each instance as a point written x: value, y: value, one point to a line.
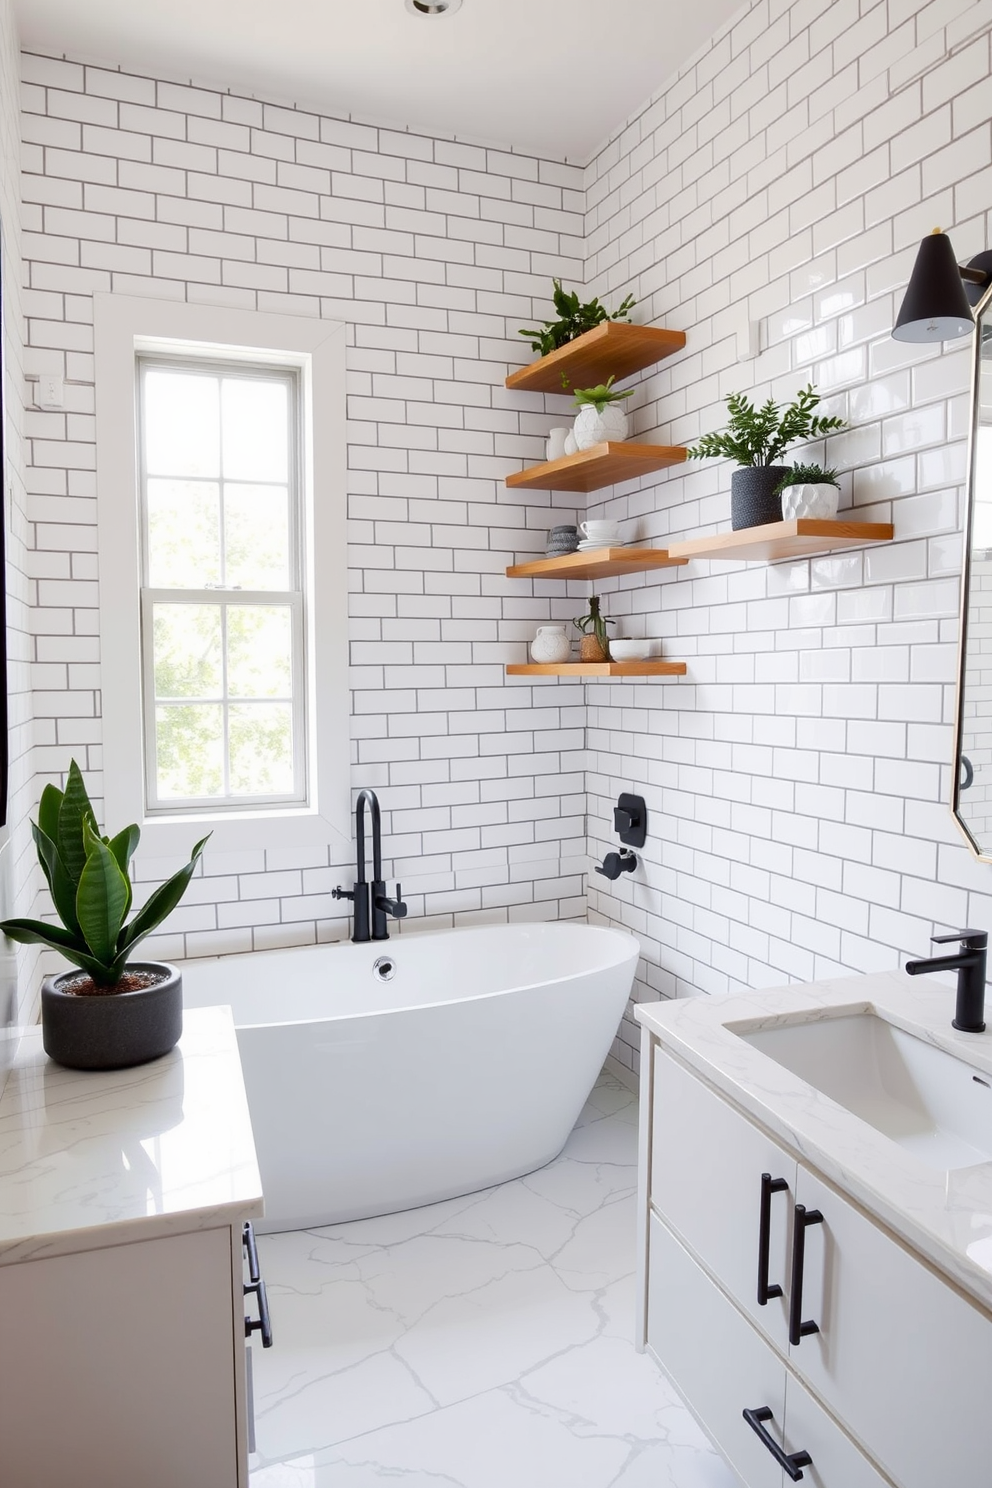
x: 574, y: 319
x: 600, y: 416
x: 595, y: 643
x: 756, y: 437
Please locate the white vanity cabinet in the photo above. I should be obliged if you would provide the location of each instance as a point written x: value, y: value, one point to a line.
x: 886, y: 1380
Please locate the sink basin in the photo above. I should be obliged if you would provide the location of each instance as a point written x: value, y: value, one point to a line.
x: 929, y: 1102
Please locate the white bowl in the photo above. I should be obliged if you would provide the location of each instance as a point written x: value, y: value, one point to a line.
x: 630, y: 650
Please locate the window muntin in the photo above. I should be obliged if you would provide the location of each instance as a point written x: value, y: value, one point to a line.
x: 221, y: 597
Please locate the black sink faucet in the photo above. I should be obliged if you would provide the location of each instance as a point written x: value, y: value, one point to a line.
x: 969, y: 963
x: 372, y: 906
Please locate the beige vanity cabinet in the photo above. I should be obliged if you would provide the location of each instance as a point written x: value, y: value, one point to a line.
x: 869, y: 1369
x: 125, y: 1365
x: 126, y: 1276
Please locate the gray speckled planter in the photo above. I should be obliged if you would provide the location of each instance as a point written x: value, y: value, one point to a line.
x: 114, y: 1032
x: 752, y: 495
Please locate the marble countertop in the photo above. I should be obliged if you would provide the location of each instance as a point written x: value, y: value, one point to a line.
x: 946, y: 1216
x: 100, y: 1158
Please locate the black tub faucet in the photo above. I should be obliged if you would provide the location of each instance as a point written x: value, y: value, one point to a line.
x: 969, y: 963
x: 373, y: 908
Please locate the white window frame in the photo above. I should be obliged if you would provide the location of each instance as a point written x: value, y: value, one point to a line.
x: 124, y: 327
x: 293, y: 597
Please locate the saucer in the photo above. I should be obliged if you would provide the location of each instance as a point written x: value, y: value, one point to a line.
x: 585, y: 545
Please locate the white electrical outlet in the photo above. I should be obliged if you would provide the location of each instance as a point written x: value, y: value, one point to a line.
x: 748, y: 340
x: 51, y: 390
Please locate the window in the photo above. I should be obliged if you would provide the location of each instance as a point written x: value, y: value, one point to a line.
x: 221, y: 594
x: 221, y: 481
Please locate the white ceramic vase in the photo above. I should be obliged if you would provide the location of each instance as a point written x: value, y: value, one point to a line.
x: 819, y: 500
x: 550, y: 645
x: 592, y: 427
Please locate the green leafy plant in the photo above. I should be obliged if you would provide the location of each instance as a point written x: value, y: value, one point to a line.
x: 595, y: 623
x: 89, y: 880
x: 807, y: 475
x: 574, y: 319
x: 600, y: 397
x: 758, y: 436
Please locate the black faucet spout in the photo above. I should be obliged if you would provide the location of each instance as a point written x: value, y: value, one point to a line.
x: 970, y: 965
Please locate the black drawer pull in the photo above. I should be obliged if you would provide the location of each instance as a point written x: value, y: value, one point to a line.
x: 798, y: 1329
x: 251, y: 1250
x: 263, y: 1322
x: 790, y: 1462
x: 769, y: 1186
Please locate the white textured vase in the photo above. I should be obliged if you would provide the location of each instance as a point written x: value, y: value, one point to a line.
x: 551, y: 644
x: 818, y: 501
x: 591, y: 427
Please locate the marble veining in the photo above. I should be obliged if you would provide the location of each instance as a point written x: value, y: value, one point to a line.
x: 477, y: 1343
x: 947, y: 1217
x: 93, y: 1158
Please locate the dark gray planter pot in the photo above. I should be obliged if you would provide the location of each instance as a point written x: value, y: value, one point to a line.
x: 116, y: 1031
x: 752, y: 495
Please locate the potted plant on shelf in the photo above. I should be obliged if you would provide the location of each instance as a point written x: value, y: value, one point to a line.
x: 809, y: 491
x: 600, y: 416
x: 112, y: 1012
x: 574, y: 320
x: 595, y: 643
x: 756, y: 438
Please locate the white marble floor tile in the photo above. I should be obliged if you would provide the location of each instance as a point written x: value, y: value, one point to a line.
x: 482, y: 1342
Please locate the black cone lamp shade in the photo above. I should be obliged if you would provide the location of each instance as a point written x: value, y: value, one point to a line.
x: 935, y: 306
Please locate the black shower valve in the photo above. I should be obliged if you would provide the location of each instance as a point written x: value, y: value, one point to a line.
x: 630, y: 820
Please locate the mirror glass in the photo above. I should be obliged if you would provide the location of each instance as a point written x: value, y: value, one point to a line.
x: 972, y: 798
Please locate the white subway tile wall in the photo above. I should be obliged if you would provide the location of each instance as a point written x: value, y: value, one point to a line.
x: 434, y: 253
x: 17, y: 870
x: 796, y: 779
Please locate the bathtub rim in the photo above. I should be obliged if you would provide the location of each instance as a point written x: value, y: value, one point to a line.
x: 619, y: 934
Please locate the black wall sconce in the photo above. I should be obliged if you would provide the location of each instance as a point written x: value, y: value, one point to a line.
x: 938, y: 299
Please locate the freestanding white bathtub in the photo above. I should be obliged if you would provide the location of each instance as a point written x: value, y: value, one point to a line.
x: 393, y: 1074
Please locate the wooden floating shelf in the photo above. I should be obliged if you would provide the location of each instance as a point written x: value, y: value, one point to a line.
x: 798, y: 538
x: 597, y: 669
x: 611, y: 349
x: 596, y: 563
x: 602, y: 465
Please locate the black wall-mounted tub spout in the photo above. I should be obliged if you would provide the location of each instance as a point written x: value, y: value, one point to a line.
x: 373, y: 907
x: 969, y: 963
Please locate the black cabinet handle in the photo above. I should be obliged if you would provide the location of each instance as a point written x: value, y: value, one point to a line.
x: 263, y: 1322
x: 790, y: 1462
x: 799, y: 1330
x: 769, y: 1186
x: 251, y: 1250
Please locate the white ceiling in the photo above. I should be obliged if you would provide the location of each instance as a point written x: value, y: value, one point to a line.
x: 553, y: 77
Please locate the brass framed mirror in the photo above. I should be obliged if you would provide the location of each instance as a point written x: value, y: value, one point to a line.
x: 971, y: 794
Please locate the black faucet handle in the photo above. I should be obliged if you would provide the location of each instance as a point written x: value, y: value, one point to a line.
x: 972, y: 940
x: 340, y: 893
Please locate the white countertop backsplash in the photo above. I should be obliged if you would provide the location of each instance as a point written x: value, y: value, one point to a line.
x: 100, y: 1158
x: 946, y: 1217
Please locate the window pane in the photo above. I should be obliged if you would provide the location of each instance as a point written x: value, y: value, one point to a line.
x: 180, y: 424
x: 189, y: 746
x: 187, y: 651
x: 183, y: 534
x: 261, y: 745
x: 256, y: 536
x: 259, y: 651
x: 256, y: 430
